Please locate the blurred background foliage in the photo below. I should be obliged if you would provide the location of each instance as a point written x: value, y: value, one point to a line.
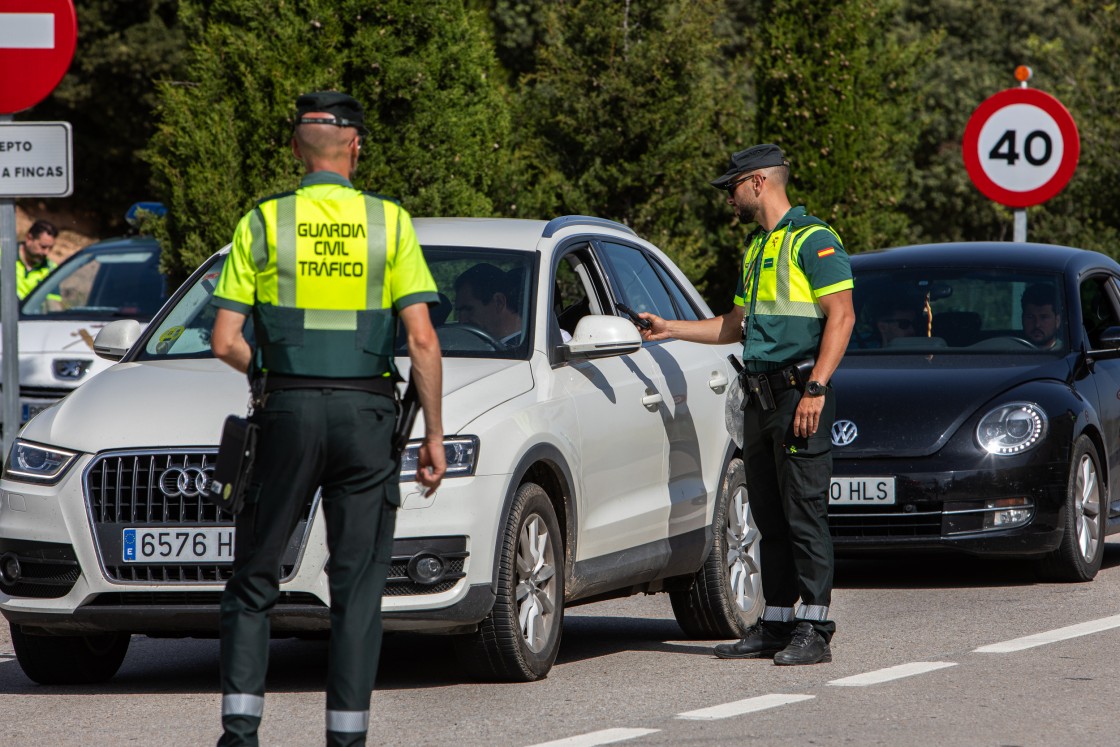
x: 617, y: 108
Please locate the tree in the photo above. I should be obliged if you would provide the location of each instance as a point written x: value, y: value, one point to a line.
x: 426, y: 73
x: 835, y: 83
x: 108, y: 96
x: 627, y: 114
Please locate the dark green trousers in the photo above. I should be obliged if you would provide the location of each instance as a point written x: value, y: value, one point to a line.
x: 337, y: 439
x: 787, y: 486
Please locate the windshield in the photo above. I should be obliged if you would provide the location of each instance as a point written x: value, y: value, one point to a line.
x: 108, y: 284
x: 912, y: 310
x: 489, y: 317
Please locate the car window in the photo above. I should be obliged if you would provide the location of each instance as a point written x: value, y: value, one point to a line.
x: 684, y: 307
x: 919, y: 310
x: 577, y: 289
x: 184, y: 330
x: 101, y: 285
x: 1098, y: 312
x: 636, y: 282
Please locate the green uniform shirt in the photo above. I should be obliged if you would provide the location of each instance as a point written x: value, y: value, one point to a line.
x: 26, y: 279
x: 324, y: 270
x: 785, y: 272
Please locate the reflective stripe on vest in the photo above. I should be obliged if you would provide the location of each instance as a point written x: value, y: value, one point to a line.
x: 791, y: 294
x: 328, y: 258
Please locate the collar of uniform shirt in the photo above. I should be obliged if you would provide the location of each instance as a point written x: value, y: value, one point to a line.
x: 324, y: 177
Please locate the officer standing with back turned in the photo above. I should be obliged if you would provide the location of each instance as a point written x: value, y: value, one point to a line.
x: 793, y: 305
x: 325, y: 271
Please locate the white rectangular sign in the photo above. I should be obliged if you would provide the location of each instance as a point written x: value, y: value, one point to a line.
x: 27, y: 30
x: 36, y: 159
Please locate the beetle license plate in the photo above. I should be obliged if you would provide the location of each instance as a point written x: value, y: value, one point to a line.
x: 29, y: 408
x: 178, y: 545
x: 861, y: 491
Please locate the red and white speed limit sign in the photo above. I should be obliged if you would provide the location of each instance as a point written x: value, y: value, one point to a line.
x: 1021, y: 147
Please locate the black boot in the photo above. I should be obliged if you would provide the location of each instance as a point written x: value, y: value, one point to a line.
x: 807, y: 647
x: 762, y: 640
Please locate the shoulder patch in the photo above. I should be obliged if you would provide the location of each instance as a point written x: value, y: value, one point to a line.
x: 827, y: 252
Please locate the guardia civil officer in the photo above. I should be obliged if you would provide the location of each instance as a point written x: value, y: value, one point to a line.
x: 795, y: 295
x: 325, y: 271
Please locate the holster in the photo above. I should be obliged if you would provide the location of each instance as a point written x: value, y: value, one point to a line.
x: 761, y: 387
x: 407, y: 408
x: 236, y: 454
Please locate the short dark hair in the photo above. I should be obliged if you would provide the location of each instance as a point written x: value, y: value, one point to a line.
x: 1040, y: 294
x: 485, y: 280
x: 40, y: 227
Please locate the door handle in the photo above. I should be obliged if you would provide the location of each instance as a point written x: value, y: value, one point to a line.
x: 652, y: 399
x: 718, y: 381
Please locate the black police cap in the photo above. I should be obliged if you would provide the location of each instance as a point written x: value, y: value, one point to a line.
x: 346, y: 109
x: 754, y: 157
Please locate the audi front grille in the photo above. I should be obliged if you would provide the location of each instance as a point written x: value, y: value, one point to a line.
x: 162, y: 489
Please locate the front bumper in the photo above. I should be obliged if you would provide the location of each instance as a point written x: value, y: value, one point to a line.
x: 940, y: 507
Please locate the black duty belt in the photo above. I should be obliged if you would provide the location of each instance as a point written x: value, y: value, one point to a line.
x: 762, y: 387
x: 375, y: 385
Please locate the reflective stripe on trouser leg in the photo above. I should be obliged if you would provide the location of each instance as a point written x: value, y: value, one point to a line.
x: 812, y: 612
x: 243, y: 704
x: 777, y: 614
x: 348, y: 721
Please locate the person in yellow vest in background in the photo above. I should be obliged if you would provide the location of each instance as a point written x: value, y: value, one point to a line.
x: 325, y: 272
x: 793, y: 305
x: 33, y: 264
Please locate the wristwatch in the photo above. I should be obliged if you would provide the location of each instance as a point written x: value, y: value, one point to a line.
x: 814, y: 389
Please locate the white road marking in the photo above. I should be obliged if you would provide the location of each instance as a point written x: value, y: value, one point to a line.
x: 739, y: 707
x: 27, y: 30
x: 606, y: 736
x: 892, y: 673
x: 1052, y: 636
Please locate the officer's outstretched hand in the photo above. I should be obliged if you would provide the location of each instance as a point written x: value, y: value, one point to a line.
x: 433, y: 463
x: 658, y: 327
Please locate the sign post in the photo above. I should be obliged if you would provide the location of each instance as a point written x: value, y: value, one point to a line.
x: 1020, y: 148
x: 37, y: 40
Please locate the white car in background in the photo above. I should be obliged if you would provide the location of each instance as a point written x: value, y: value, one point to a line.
x: 582, y: 464
x: 58, y: 320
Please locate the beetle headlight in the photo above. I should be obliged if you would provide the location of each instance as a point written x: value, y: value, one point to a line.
x: 461, y: 453
x: 1012, y: 428
x: 28, y: 462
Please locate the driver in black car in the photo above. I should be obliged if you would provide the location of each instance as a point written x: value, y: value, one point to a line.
x: 490, y: 299
x: 1041, y: 319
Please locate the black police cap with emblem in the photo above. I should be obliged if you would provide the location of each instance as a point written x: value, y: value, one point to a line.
x: 754, y: 157
x: 346, y: 110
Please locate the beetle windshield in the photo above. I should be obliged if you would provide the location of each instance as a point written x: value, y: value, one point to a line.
x: 922, y: 310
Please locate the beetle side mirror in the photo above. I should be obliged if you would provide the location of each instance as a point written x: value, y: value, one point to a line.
x: 601, y: 336
x: 1110, y: 338
x: 115, y: 338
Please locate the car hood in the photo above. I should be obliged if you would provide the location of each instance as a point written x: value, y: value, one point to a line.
x: 912, y: 405
x: 159, y: 404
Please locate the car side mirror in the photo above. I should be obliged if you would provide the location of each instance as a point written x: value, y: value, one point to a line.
x: 601, y: 336
x: 1110, y: 338
x: 115, y: 338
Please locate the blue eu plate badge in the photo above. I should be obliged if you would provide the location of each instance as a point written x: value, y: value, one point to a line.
x: 130, y: 544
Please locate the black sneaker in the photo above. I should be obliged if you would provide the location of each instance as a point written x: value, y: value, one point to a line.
x: 807, y: 647
x: 760, y: 641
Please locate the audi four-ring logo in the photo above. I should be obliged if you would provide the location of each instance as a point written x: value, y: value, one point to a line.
x: 844, y: 432
x: 189, y: 482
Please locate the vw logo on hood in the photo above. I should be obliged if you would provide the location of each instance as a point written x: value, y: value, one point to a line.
x: 844, y: 432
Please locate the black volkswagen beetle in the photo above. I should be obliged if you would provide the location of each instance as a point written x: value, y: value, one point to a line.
x: 979, y: 405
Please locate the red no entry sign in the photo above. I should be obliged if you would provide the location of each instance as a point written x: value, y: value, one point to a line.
x: 1021, y: 147
x: 37, y: 39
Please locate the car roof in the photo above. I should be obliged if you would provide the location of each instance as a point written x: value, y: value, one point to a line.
x: 981, y: 254
x: 122, y: 244
x: 511, y: 233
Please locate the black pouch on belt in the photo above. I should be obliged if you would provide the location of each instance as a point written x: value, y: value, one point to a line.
x: 235, y: 462
x: 759, y: 388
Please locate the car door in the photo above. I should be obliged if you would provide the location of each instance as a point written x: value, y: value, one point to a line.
x: 1099, y: 311
x: 696, y: 377
x: 621, y: 439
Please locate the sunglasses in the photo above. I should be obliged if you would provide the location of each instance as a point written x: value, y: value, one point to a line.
x: 733, y: 185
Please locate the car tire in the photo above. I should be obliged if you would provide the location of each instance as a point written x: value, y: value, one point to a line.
x: 726, y: 593
x: 69, y: 659
x: 519, y: 639
x: 1079, y: 556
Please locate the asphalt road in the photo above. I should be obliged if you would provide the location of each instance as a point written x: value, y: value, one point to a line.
x: 627, y: 676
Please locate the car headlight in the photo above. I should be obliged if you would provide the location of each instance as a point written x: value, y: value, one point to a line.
x: 28, y: 462
x: 461, y: 453
x: 1012, y: 428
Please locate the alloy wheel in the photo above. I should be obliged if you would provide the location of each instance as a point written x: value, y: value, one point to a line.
x: 1087, y: 507
x: 742, y: 552
x: 536, y: 583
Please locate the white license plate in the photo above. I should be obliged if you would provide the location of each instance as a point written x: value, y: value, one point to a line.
x: 178, y: 545
x: 861, y: 491
x: 29, y: 408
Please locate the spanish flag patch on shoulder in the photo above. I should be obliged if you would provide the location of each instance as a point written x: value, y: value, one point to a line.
x: 827, y: 252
